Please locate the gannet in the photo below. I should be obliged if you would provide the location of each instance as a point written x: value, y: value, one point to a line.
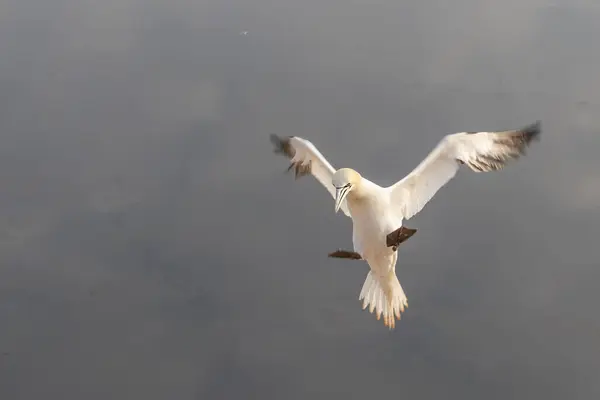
x: 378, y: 213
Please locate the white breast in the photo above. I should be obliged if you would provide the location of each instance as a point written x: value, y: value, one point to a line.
x: 372, y: 221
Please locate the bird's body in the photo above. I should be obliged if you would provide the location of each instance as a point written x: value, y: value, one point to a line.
x: 378, y: 212
x: 371, y: 208
x: 372, y: 220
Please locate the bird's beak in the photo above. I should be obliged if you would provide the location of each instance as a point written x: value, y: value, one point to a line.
x: 340, y: 195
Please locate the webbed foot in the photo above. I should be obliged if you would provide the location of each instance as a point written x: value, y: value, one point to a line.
x: 399, y: 236
x: 351, y: 255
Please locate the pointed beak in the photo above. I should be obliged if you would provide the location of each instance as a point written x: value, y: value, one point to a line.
x: 340, y: 195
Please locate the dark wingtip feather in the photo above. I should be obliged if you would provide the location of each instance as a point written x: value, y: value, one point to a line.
x: 514, y: 144
x: 277, y: 142
x: 281, y: 145
x: 532, y: 132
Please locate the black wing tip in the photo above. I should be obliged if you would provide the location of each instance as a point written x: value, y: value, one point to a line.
x: 281, y: 145
x: 514, y: 144
x: 278, y: 142
x: 532, y: 131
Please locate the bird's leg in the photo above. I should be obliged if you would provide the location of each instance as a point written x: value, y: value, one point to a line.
x: 351, y: 255
x: 399, y: 236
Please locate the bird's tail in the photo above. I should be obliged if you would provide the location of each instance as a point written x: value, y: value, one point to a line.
x: 385, y: 296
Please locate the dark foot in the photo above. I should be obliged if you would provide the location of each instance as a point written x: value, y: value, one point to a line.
x: 345, y: 254
x: 399, y: 236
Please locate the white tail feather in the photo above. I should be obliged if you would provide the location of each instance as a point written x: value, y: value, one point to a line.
x: 387, y: 299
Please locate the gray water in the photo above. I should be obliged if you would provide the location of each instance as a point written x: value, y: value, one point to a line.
x: 152, y: 248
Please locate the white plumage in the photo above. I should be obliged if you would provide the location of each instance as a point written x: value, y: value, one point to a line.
x: 378, y: 212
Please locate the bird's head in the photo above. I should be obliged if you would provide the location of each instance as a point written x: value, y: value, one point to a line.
x: 344, y: 180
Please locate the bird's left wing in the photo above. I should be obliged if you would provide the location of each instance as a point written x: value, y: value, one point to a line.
x: 306, y: 159
x: 480, y: 151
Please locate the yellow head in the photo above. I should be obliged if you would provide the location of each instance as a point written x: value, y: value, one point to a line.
x: 344, y: 180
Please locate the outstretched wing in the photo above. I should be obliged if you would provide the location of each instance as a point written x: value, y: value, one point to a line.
x: 480, y: 151
x: 306, y: 159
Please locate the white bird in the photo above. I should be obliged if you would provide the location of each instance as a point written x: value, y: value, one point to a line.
x: 378, y: 212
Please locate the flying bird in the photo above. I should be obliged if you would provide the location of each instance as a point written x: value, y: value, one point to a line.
x: 378, y: 213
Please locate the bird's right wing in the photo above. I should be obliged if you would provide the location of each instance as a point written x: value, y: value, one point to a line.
x: 306, y: 159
